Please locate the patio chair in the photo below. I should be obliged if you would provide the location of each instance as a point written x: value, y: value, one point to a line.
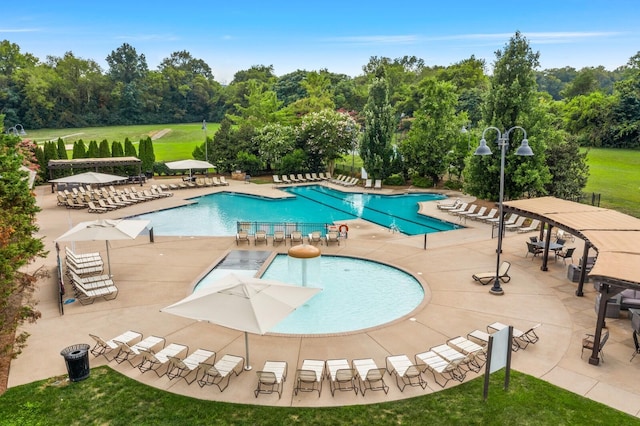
x: 476, y: 352
x: 308, y: 177
x: 296, y: 237
x: 220, y: 373
x: 215, y: 181
x: 377, y: 184
x: 315, y: 237
x: 300, y: 177
x: 190, y: 366
x: 472, y: 208
x: 461, y: 207
x: 293, y: 178
x: 533, y: 249
x: 156, y: 360
x: 278, y: 237
x: 83, y: 269
x: 341, y: 376
x: 95, y: 209
x: 588, y: 342
x: 368, y: 184
x: 271, y: 378
x: 566, y: 254
x: 90, y: 282
x: 322, y: 176
x: 223, y: 181
x: 72, y: 204
x: 241, y: 237
x: 87, y: 296
x: 369, y: 375
x: 81, y: 257
x: 103, y: 347
x: 285, y: 179
x: 485, y: 278
x: 492, y: 213
x: 533, y: 226
x: 309, y: 376
x: 406, y: 372
x: 480, y: 213
x: 440, y: 367
x: 316, y: 177
x: 332, y: 237
x: 129, y: 353
x: 515, y: 225
x: 464, y: 360
x: 260, y: 237
x: 450, y: 205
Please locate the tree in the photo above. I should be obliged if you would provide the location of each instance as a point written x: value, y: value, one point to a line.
x: 511, y: 101
x: 433, y: 132
x: 125, y: 65
x: 376, y: 151
x: 262, y: 107
x: 569, y: 169
x: 146, y: 154
x: 274, y: 141
x: 18, y: 248
x: 626, y: 115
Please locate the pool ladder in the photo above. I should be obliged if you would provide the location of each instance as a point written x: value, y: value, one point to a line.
x: 393, y: 228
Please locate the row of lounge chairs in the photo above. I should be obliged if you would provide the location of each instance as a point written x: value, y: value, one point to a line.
x: 368, y: 184
x: 153, y: 354
x: 199, y: 182
x: 103, y: 200
x: 345, y: 180
x: 84, y: 272
x: 513, y: 222
x: 295, y: 237
x: 298, y: 178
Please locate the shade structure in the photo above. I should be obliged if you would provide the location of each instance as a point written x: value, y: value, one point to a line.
x: 189, y: 164
x: 248, y: 304
x: 105, y: 229
x: 89, y: 178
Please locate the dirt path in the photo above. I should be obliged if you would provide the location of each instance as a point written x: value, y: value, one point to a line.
x: 159, y: 134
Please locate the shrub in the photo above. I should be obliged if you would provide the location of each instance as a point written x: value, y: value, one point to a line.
x: 394, y: 180
x: 421, y: 181
x: 455, y: 185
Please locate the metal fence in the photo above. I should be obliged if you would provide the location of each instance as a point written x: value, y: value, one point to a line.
x: 287, y: 227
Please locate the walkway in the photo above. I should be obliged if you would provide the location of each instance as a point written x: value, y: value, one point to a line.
x: 153, y: 275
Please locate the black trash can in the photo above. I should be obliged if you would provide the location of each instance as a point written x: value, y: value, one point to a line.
x: 77, y: 359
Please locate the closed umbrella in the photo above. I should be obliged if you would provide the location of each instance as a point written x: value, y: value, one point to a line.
x: 105, y: 229
x: 248, y: 304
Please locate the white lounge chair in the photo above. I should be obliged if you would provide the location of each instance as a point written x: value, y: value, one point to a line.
x: 309, y: 376
x: 406, y: 372
x: 369, y: 375
x: 220, y: 373
x: 533, y: 226
x: 103, y: 347
x: 156, y: 360
x: 368, y: 184
x: 341, y: 376
x: 271, y: 378
x: 440, y: 367
x: 190, y: 366
x: 377, y: 184
x: 129, y: 353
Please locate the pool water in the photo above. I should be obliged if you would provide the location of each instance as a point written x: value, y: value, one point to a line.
x: 356, y: 294
x: 218, y: 214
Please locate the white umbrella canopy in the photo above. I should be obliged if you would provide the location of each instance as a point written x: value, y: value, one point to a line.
x: 189, y: 164
x: 105, y: 229
x: 89, y: 178
x: 248, y: 304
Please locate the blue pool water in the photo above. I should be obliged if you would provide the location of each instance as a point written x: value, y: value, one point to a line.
x: 356, y: 294
x: 218, y: 214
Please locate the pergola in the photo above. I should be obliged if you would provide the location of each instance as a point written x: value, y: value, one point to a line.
x: 93, y: 163
x: 613, y: 235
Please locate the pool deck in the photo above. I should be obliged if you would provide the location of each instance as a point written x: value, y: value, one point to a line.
x: 153, y: 275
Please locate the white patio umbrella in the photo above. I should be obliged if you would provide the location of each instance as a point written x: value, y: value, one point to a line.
x: 105, y: 229
x: 189, y: 164
x: 248, y: 304
x: 89, y: 178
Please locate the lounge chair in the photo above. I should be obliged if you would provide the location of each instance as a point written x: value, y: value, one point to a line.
x: 87, y: 295
x: 293, y: 178
x: 377, y: 184
x: 83, y: 270
x: 242, y: 236
x: 296, y: 237
x: 219, y: 374
x: 462, y: 207
x: 332, y: 237
x: 451, y: 354
x: 440, y: 367
x: 369, y: 375
x: 341, y: 376
x: 588, y: 342
x: 190, y: 366
x: 285, y: 179
x: 492, y: 213
x: 315, y: 177
x: 300, y: 177
x: 368, y: 184
x: 406, y: 372
x: 472, y: 208
x: 475, y: 353
x: 480, y: 213
x: 104, y: 347
x: 309, y: 376
x: 485, y: 278
x: 515, y: 225
x: 129, y: 353
x: 95, y: 209
x: 308, y: 177
x: 91, y: 282
x: 72, y: 204
x: 216, y: 181
x: 83, y: 260
x: 223, y: 181
x: 315, y: 237
x: 156, y: 360
x: 271, y: 378
x: 322, y: 176
x: 533, y: 226
x: 450, y: 206
x: 278, y: 237
x: 510, y: 219
x: 260, y: 237
x: 276, y: 179
x: 521, y: 339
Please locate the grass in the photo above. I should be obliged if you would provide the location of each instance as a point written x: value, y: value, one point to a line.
x: 615, y: 173
x: 108, y: 397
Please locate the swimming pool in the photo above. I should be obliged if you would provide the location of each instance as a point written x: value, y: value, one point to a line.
x: 218, y: 214
x: 348, y: 301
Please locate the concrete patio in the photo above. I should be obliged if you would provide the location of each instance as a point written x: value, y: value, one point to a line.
x: 153, y: 275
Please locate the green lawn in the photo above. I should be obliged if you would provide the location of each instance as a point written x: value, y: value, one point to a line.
x: 108, y: 397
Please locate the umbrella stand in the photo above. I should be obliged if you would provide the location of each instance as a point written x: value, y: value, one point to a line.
x: 247, y: 366
x: 108, y: 258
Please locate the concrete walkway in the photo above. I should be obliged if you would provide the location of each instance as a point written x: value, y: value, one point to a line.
x: 153, y: 275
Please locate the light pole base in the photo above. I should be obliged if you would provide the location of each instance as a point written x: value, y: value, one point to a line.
x: 496, y: 291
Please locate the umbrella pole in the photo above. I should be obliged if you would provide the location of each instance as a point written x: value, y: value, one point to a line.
x: 108, y: 258
x: 246, y: 345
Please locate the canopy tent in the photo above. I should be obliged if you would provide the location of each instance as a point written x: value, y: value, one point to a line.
x: 189, y: 165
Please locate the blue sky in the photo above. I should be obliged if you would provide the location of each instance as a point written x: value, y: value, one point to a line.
x: 340, y: 36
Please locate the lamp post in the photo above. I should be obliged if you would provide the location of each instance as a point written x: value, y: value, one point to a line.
x: 466, y: 129
x: 483, y: 149
x: 16, y: 130
x: 204, y: 127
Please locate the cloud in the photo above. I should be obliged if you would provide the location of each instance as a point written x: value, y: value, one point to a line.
x: 375, y: 39
x: 19, y: 30
x: 148, y: 37
x: 536, y: 37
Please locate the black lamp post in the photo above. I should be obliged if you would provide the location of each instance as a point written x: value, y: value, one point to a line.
x: 204, y: 127
x: 483, y: 149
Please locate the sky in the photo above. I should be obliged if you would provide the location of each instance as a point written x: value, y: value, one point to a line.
x: 340, y: 36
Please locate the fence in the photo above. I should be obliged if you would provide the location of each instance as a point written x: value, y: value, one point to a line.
x: 287, y: 227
